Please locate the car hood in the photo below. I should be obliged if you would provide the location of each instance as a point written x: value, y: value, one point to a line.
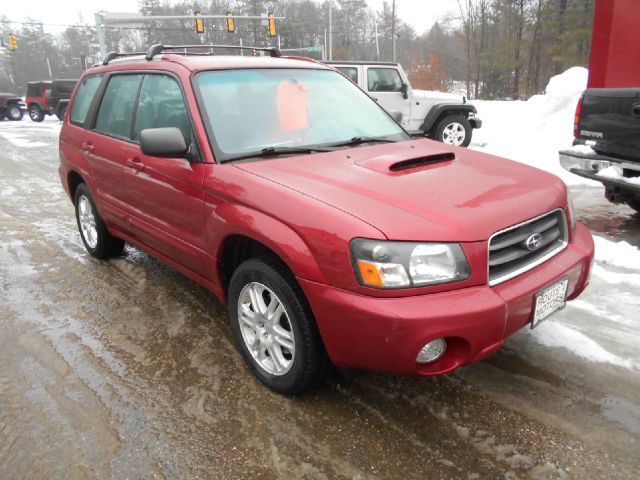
x: 419, y: 190
x: 439, y: 96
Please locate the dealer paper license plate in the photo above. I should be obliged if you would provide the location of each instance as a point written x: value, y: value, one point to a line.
x: 549, y: 300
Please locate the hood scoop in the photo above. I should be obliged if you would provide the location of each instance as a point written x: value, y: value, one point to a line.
x: 391, y: 164
x: 421, y: 162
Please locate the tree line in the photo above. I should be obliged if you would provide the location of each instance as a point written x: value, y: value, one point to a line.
x: 490, y: 49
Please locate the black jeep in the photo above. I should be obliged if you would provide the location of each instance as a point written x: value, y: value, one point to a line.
x: 11, y: 106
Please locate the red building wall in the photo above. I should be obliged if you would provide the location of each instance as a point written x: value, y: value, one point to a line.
x: 615, y: 45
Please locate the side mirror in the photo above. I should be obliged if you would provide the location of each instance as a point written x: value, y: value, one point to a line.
x: 166, y: 142
x: 404, y: 89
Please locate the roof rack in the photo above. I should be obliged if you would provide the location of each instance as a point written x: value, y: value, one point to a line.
x: 159, y: 48
x: 113, y: 55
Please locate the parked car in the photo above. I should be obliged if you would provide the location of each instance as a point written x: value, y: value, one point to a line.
x: 49, y: 97
x: 607, y: 123
x: 445, y: 117
x: 11, y: 106
x: 329, y: 232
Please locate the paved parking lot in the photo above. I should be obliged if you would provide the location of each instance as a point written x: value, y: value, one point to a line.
x: 126, y: 369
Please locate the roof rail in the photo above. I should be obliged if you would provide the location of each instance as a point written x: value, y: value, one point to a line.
x: 159, y: 48
x: 113, y: 55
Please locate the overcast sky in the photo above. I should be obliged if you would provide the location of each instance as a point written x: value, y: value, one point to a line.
x: 419, y: 13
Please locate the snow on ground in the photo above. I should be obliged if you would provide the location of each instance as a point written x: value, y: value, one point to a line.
x: 533, y: 131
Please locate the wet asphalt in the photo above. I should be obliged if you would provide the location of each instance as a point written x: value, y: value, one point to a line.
x: 126, y: 369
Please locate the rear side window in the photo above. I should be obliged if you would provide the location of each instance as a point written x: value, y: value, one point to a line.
x: 384, y: 80
x: 350, y: 72
x: 84, y: 97
x: 116, y: 109
x: 161, y: 105
x: 33, y: 90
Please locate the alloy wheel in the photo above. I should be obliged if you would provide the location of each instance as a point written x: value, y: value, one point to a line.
x: 87, y: 222
x: 266, y: 329
x: 454, y: 134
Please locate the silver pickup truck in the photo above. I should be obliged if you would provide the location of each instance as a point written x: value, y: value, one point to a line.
x: 445, y: 117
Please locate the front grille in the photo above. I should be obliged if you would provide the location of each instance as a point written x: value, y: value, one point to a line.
x: 519, y: 248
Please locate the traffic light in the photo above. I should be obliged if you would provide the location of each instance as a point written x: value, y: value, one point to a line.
x: 272, y: 25
x: 83, y: 62
x: 13, y: 42
x: 231, y: 26
x: 199, y: 23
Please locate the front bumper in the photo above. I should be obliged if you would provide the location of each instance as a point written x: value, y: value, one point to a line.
x: 386, y: 334
x: 475, y: 122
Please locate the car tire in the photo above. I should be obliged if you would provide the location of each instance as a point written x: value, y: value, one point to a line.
x: 453, y: 130
x: 289, y: 355
x: 35, y: 113
x: 635, y: 204
x: 60, y: 113
x: 14, y: 113
x: 93, y: 231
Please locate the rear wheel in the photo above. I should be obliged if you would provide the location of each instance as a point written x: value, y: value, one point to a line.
x: 35, y: 113
x: 93, y: 231
x: 61, y: 110
x: 454, y: 130
x: 635, y: 204
x: 273, y: 326
x: 14, y: 113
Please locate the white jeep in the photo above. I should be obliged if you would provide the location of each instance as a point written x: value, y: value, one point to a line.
x: 445, y: 117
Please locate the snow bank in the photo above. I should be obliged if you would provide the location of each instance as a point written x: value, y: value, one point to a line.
x: 600, y: 326
x: 615, y: 172
x: 533, y: 131
x: 556, y: 334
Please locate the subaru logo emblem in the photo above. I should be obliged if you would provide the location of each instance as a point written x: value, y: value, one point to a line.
x: 534, y: 242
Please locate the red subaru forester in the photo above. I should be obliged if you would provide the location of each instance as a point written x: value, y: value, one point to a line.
x: 328, y: 231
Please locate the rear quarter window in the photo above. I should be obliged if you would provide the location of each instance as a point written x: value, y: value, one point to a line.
x: 115, y: 115
x: 350, y: 72
x: 84, y: 98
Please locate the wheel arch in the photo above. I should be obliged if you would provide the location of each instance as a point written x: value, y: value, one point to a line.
x: 441, y: 110
x: 73, y: 180
x: 249, y: 233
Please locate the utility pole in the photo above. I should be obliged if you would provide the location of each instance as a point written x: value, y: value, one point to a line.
x: 255, y: 27
x: 100, y: 30
x: 377, y: 44
x: 393, y: 32
x: 330, y: 30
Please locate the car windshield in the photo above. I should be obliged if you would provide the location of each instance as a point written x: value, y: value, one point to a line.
x: 248, y: 111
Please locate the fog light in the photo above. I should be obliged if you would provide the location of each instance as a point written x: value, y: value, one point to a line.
x: 432, y: 351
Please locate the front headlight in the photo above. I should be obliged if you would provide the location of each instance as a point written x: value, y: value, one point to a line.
x: 572, y: 210
x: 384, y: 264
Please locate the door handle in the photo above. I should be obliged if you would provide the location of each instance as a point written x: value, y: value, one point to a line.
x: 636, y: 109
x: 136, y: 163
x: 87, y: 147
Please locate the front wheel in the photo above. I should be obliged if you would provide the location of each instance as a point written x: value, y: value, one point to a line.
x: 14, y: 113
x: 454, y: 130
x: 273, y: 326
x: 35, y: 113
x: 93, y: 231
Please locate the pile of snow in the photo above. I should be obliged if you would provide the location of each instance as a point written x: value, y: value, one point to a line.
x: 603, y: 325
x: 533, y: 131
x: 615, y: 172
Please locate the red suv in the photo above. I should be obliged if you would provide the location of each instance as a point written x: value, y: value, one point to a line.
x: 329, y: 232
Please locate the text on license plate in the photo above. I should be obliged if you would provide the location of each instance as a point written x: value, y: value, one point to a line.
x: 549, y: 300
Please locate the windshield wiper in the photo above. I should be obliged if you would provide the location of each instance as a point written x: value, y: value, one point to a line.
x: 270, y: 151
x: 359, y: 140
